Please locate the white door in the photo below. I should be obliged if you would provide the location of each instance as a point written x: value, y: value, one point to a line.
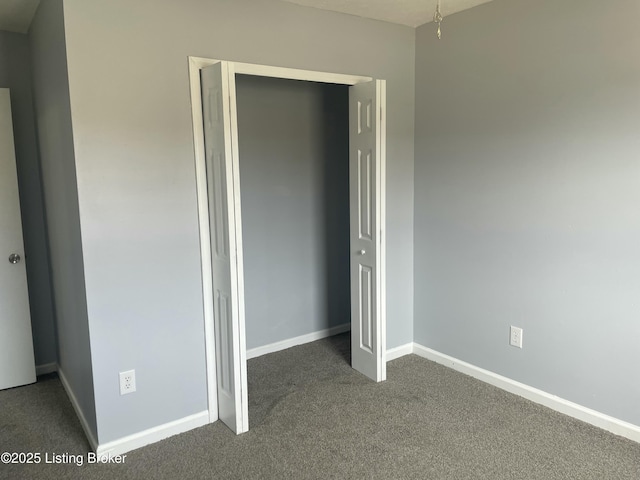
x: 17, y: 366
x: 366, y: 192
x: 220, y: 133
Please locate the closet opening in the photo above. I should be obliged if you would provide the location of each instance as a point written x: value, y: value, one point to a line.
x: 281, y: 272
x: 293, y: 145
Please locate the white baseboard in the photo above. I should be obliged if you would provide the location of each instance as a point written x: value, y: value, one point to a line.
x: 78, y: 409
x: 400, y: 351
x: 606, y: 422
x: 46, y: 368
x: 152, y: 435
x: 302, y: 339
x: 392, y: 353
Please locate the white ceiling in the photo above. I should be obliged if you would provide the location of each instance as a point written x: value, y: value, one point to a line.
x: 16, y: 15
x: 405, y: 12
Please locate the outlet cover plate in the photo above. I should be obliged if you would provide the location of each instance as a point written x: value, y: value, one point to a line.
x: 127, y: 382
x: 515, y: 337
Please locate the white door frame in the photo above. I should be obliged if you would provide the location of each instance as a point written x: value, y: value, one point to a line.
x: 195, y: 65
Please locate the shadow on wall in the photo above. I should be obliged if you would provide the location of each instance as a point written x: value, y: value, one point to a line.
x: 335, y: 157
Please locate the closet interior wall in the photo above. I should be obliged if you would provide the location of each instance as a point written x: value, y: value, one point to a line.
x: 294, y: 181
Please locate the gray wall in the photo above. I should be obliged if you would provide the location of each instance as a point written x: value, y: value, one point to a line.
x: 527, y: 181
x: 55, y: 138
x: 15, y: 74
x: 135, y: 165
x: 294, y: 181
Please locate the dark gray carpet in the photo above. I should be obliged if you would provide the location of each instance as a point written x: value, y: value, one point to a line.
x: 312, y: 416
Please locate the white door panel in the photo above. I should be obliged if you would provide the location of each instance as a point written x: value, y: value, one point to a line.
x: 218, y: 98
x: 366, y: 190
x: 17, y: 366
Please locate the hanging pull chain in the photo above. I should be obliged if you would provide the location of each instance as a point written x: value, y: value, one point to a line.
x: 437, y: 18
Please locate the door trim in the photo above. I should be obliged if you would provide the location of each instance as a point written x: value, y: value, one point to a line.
x: 195, y: 65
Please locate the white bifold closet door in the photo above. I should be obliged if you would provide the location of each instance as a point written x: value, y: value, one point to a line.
x: 367, y: 126
x: 220, y: 132
x: 366, y: 193
x: 17, y: 365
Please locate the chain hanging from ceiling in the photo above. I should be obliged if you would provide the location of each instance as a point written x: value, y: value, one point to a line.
x: 437, y: 18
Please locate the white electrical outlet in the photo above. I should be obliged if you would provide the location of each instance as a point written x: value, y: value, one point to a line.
x: 515, y: 339
x: 127, y: 382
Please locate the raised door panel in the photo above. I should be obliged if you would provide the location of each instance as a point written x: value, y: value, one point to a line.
x: 365, y: 186
x: 219, y: 129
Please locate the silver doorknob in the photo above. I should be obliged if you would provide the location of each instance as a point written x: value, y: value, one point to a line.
x: 362, y: 252
x: 14, y: 258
